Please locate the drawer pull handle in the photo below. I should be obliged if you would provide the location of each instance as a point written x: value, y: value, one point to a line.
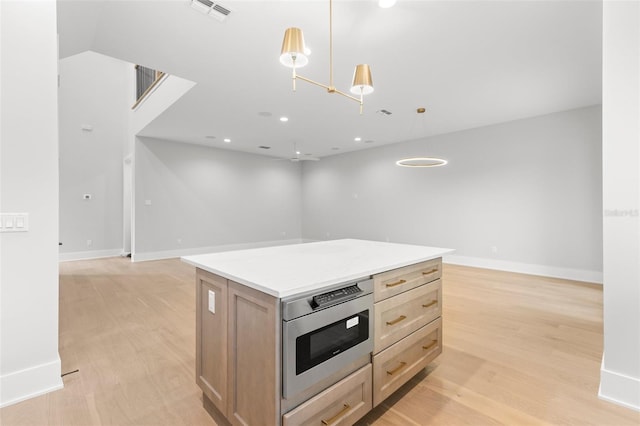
x: 430, y: 272
x: 396, y: 283
x: 433, y: 343
x: 397, y: 320
x: 335, y: 418
x: 433, y: 302
x: 398, y: 368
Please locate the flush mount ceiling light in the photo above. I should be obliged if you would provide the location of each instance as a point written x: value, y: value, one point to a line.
x: 294, y: 55
x: 421, y: 162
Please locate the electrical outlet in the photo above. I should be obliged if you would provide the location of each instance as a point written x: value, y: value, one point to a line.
x: 212, y: 302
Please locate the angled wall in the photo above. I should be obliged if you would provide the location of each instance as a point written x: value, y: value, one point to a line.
x: 193, y: 199
x: 94, y: 107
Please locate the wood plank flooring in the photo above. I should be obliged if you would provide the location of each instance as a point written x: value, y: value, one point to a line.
x: 518, y: 350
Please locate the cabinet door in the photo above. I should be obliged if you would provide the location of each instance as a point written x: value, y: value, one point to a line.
x: 211, y: 337
x: 254, y: 336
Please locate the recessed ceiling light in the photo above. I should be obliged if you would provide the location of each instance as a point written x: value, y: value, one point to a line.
x: 265, y: 114
x: 369, y: 141
x: 357, y: 139
x: 264, y: 147
x: 210, y: 137
x: 227, y: 140
x: 421, y: 162
x: 383, y: 112
x: 284, y: 119
x: 335, y: 148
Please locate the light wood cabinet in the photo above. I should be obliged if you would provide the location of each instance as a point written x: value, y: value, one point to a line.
x: 239, y: 356
x: 341, y: 404
x: 396, y: 281
x: 237, y: 351
x: 211, y: 338
x: 407, y: 324
x: 401, y: 315
x: 254, y: 367
x: 396, y: 365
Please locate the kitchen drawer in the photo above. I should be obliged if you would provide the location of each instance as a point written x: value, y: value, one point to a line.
x: 394, y: 366
x: 399, y: 280
x: 401, y: 315
x: 341, y: 404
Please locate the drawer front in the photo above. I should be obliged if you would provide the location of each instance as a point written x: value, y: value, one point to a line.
x: 341, y: 404
x: 396, y: 365
x: 401, y: 315
x: 400, y: 280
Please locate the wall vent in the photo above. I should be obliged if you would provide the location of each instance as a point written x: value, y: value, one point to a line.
x: 211, y: 8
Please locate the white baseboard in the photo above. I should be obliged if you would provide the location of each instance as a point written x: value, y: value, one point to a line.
x: 84, y: 255
x: 526, y: 268
x: 30, y: 382
x: 619, y: 389
x: 167, y: 254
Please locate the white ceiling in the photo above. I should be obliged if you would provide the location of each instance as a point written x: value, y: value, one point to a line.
x: 469, y: 64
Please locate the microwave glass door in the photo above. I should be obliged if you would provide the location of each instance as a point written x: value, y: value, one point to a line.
x: 319, y: 345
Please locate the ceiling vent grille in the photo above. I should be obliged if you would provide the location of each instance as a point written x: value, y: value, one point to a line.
x: 213, y: 9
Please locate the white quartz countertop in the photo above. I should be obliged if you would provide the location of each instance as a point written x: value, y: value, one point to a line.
x: 283, y: 271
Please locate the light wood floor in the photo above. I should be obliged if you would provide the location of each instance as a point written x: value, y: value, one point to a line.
x: 518, y: 350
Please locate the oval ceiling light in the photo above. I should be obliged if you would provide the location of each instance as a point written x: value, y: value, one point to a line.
x: 284, y: 119
x: 227, y: 140
x: 385, y: 4
x: 421, y: 162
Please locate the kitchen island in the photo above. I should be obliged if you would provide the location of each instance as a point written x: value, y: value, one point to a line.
x: 239, y: 327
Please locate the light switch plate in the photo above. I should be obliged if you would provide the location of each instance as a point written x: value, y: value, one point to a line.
x: 14, y: 222
x: 212, y: 302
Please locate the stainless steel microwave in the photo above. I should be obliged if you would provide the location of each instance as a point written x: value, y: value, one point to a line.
x: 324, y: 332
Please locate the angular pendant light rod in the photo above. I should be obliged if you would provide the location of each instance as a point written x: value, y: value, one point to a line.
x: 292, y: 55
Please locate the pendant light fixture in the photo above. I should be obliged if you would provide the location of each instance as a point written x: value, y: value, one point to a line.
x: 293, y: 56
x: 421, y: 161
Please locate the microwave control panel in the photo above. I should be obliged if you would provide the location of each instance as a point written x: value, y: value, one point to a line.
x: 334, y: 296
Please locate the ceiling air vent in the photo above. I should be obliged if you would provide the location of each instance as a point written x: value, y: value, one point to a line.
x: 211, y: 8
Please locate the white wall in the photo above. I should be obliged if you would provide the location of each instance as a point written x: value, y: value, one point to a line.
x: 162, y: 97
x: 620, y: 376
x: 530, y: 188
x: 29, y: 361
x: 93, y: 91
x: 203, y: 199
